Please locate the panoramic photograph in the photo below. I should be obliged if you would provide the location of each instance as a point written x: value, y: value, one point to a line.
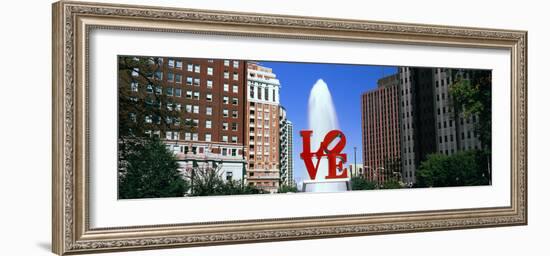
x: 209, y: 127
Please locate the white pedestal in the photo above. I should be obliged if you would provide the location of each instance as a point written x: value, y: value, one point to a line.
x: 334, y: 185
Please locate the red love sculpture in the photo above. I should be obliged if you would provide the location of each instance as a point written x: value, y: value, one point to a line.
x: 335, y: 158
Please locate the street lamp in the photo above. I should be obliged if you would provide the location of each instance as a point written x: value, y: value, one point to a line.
x: 375, y: 171
x: 355, y: 160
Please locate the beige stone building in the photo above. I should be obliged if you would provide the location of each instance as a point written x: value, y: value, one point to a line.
x: 262, y: 128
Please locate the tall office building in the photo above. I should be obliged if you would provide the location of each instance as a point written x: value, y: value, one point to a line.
x: 206, y: 96
x: 285, y: 148
x: 380, y: 130
x: 430, y: 123
x: 263, y: 128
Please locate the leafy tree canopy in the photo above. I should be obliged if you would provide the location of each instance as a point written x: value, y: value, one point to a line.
x: 359, y: 183
x: 465, y: 168
x: 149, y: 170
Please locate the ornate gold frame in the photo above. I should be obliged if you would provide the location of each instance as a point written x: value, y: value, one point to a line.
x: 72, y: 22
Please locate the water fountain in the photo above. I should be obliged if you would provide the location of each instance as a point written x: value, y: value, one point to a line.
x: 322, y: 119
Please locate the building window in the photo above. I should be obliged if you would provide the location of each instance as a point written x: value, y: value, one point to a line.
x: 188, y: 94
x: 209, y: 96
x: 148, y: 119
x: 169, y: 91
x: 188, y: 108
x: 179, y: 64
x: 225, y: 126
x: 226, y: 63
x: 235, y: 114
x: 209, y: 84
x: 235, y: 76
x: 226, y: 74
x: 149, y: 88
x: 225, y: 113
x: 178, y: 78
x: 235, y: 89
x: 195, y: 109
x: 251, y: 92
x: 234, y: 139
x: 235, y: 64
x: 197, y: 68
x: 225, y: 100
x: 158, y: 75
x: 156, y: 134
x: 225, y: 87
x: 133, y: 117
x: 195, y: 137
x: 190, y: 67
x: 189, y: 80
x: 234, y: 126
x: 208, y: 111
x: 208, y: 124
x: 208, y: 137
x: 178, y: 107
x: 235, y: 101
x: 170, y: 76
x: 134, y: 86
x: 224, y: 139
x: 210, y: 71
x: 178, y: 92
x: 197, y: 81
x: 196, y: 95
x: 259, y: 93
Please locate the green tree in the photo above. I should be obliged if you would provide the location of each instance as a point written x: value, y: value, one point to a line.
x: 287, y: 188
x: 144, y: 104
x: 472, y: 96
x: 391, y: 184
x: 461, y: 169
x: 207, y: 181
x: 148, y: 170
x: 234, y: 187
x: 359, y: 183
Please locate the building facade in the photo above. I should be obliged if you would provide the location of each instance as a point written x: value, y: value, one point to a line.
x: 285, y: 149
x: 204, y: 102
x: 430, y: 123
x: 263, y: 129
x: 380, y: 130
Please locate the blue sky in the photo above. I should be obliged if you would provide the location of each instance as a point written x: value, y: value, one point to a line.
x: 346, y: 84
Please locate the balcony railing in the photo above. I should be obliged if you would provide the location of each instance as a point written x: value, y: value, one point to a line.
x: 207, y: 157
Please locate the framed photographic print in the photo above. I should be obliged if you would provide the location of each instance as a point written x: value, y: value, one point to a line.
x: 179, y: 127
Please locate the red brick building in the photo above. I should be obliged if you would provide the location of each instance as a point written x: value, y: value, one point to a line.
x: 207, y: 95
x: 381, y: 131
